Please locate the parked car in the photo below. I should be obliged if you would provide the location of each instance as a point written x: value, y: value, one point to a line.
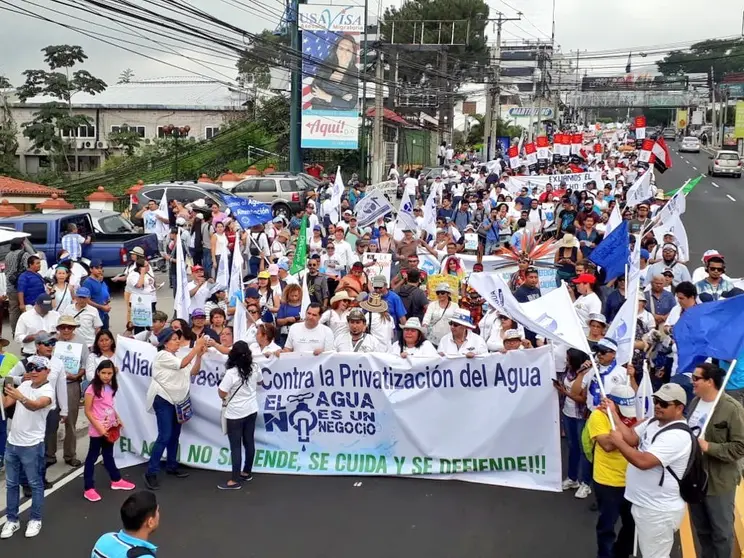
x: 46, y: 231
x: 690, y: 144
x: 725, y: 163
x: 184, y: 192
x: 285, y: 192
x: 8, y: 235
x: 669, y: 133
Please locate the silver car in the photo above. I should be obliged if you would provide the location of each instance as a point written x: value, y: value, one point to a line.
x: 690, y: 145
x: 725, y: 163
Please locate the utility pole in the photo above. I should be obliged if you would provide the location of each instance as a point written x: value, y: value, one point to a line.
x: 295, y: 127
x: 378, y: 143
x: 445, y: 119
x: 714, y: 134
x: 493, y: 99
x: 724, y: 116
x: 363, y: 148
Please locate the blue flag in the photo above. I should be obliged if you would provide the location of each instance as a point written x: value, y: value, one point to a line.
x: 713, y: 329
x: 613, y: 253
x: 247, y: 211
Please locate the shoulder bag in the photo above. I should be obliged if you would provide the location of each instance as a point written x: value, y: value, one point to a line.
x: 184, y: 411
x: 225, y: 403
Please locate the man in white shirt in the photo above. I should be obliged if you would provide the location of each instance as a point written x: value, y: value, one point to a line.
x: 198, y: 288
x: 461, y: 341
x: 40, y: 318
x: 357, y: 340
x: 344, y: 254
x: 24, y: 453
x: 309, y: 336
x: 657, y: 450
x: 88, y: 319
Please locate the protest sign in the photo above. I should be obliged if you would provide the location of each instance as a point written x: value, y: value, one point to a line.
x: 488, y: 420
x: 380, y: 266
x: 248, y: 211
x: 576, y: 181
x: 141, y: 310
x: 471, y: 241
x: 68, y: 355
x: 371, y: 207
x: 436, y: 280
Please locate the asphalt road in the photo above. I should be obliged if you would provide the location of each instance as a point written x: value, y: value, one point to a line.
x: 713, y: 218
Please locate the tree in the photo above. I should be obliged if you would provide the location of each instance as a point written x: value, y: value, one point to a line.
x: 53, y: 118
x: 127, y: 138
x: 723, y: 55
x: 254, y: 65
x: 125, y: 76
x: 5, y: 83
x: 8, y: 133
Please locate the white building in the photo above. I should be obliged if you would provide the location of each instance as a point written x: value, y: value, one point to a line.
x: 147, y: 106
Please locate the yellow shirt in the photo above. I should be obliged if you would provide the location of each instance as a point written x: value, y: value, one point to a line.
x: 609, y: 466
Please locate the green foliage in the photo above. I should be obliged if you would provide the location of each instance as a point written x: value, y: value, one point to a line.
x: 723, y: 55
x: 503, y: 128
x: 5, y: 83
x: 260, y: 56
x: 127, y: 138
x: 125, y: 76
x: 8, y: 135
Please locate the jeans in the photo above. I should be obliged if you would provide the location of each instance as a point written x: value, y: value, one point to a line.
x: 50, y: 436
x: 579, y: 467
x: 254, y: 264
x: 207, y: 261
x: 713, y: 521
x: 240, y: 432
x: 104, y: 318
x: 29, y: 460
x: 100, y: 445
x: 613, y: 505
x: 169, y: 431
x: 491, y: 245
x: 3, y: 438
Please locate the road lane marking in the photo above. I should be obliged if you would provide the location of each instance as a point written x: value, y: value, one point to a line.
x: 716, y: 185
x: 729, y: 197
x: 695, y: 168
x: 686, y: 161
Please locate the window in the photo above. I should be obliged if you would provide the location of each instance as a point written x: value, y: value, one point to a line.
x: 211, y: 131
x: 728, y: 156
x: 82, y: 132
x: 114, y: 224
x: 156, y: 195
x: 184, y: 195
x: 289, y: 185
x: 140, y: 130
x: 266, y: 185
x: 161, y: 132
x: 246, y: 187
x: 38, y: 232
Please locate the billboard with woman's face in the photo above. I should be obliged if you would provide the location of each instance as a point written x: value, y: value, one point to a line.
x: 330, y: 75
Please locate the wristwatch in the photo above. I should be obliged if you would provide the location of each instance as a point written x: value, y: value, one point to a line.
x: 24, y: 401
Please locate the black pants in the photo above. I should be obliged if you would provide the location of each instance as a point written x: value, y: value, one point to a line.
x: 613, y: 505
x: 100, y: 446
x: 240, y: 432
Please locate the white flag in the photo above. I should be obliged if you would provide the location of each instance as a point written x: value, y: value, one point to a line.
x: 162, y: 228
x: 183, y: 298
x: 621, y: 330
x: 235, y: 295
x: 640, y: 191
x: 644, y: 398
x: 675, y: 227
x: 222, y: 280
x: 634, y: 270
x: 305, y: 295
x: 675, y: 207
x: 614, y: 221
x: 336, y: 192
x: 371, y: 207
x: 430, y: 213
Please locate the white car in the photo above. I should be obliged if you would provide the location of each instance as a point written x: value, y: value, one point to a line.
x: 725, y: 163
x: 690, y: 145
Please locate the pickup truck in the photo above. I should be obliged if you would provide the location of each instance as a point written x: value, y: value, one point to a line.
x: 113, y: 247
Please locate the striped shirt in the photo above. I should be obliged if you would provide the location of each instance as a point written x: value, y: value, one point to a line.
x: 72, y: 243
x: 118, y: 545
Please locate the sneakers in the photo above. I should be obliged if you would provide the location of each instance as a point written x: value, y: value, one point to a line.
x: 151, y: 482
x: 122, y: 485
x: 583, y: 491
x: 178, y: 473
x: 227, y: 486
x: 9, y: 529
x: 568, y: 484
x: 245, y: 478
x: 33, y: 528
x: 73, y: 462
x: 92, y: 495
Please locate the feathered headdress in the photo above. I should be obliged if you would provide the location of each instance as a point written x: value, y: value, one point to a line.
x: 531, y: 252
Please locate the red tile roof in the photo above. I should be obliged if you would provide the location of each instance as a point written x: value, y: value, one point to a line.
x: 390, y: 115
x: 10, y: 185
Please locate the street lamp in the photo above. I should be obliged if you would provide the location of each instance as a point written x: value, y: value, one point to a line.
x: 175, y: 132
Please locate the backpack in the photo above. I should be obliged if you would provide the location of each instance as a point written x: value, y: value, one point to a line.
x: 693, y: 486
x: 587, y: 444
x: 255, y: 251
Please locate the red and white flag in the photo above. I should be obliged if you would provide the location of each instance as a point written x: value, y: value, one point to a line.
x: 645, y: 155
x: 663, y: 159
x: 531, y: 155
x: 543, y: 147
x: 513, y: 156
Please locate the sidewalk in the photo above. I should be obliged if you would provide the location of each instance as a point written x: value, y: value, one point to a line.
x: 59, y: 469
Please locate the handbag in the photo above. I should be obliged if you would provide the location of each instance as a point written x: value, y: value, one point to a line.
x: 184, y: 412
x: 225, y: 403
x: 113, y: 433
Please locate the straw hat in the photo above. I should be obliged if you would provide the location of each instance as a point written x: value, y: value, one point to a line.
x: 374, y: 304
x: 339, y: 296
x: 568, y: 241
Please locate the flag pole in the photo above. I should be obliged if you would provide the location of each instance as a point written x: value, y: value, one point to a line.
x: 602, y: 391
x: 717, y: 399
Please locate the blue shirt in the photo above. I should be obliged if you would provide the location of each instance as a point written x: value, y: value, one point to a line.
x: 31, y: 284
x: 663, y: 305
x: 395, y: 307
x: 99, y: 292
x: 492, y: 230
x: 116, y: 545
x: 73, y: 244
x: 736, y: 381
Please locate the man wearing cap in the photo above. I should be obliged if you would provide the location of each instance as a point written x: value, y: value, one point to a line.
x: 609, y: 372
x: 30, y: 284
x: 655, y: 449
x: 38, y: 319
x: 587, y: 302
x: 87, y: 317
x: 99, y: 292
x: 714, y: 284
x: 608, y: 470
x: 357, y: 340
x: 461, y: 340
x: 669, y: 261
x: 309, y: 336
x: 33, y: 400
x: 74, y: 373
x: 257, y: 249
x: 395, y: 304
x: 198, y: 288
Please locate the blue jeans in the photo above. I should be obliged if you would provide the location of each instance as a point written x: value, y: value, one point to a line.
x: 104, y: 318
x: 100, y: 446
x: 207, y: 261
x: 254, y: 264
x: 490, y: 246
x: 169, y: 431
x: 27, y: 460
x: 613, y: 506
x: 3, y: 438
x: 579, y: 467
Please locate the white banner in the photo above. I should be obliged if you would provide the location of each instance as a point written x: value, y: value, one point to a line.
x: 577, y: 181
x: 490, y: 420
x: 371, y: 207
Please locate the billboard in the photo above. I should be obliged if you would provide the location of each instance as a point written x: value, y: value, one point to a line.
x: 739, y: 120
x: 681, y: 119
x: 330, y: 75
x: 632, y: 82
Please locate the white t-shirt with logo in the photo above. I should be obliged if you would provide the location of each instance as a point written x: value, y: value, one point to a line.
x: 585, y: 305
x: 474, y: 343
x: 150, y: 220
x: 672, y: 448
x: 700, y: 414
x: 618, y: 376
x: 28, y: 427
x: 241, y: 395
x: 304, y: 340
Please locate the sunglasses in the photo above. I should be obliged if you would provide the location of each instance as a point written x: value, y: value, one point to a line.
x: 66, y: 327
x: 50, y: 343
x: 442, y: 293
x: 663, y: 404
x: 34, y: 368
x: 453, y: 324
x: 253, y: 311
x: 696, y: 378
x: 601, y: 351
x: 721, y: 269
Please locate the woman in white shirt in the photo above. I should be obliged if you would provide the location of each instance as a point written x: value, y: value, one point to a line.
x: 219, y: 244
x: 62, y: 290
x: 171, y: 380
x: 436, y: 319
x: 141, y: 281
x: 335, y: 317
x: 413, y: 342
x: 588, y: 302
x: 240, y: 409
x: 495, y: 340
x: 315, y: 243
x: 265, y: 345
x: 104, y: 348
x: 380, y: 322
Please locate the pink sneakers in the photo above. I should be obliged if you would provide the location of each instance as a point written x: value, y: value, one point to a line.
x: 92, y: 495
x: 122, y: 485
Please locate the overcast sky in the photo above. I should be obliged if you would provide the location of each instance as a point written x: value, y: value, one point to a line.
x: 580, y: 24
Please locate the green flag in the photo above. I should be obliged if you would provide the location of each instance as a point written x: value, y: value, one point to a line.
x: 687, y: 188
x: 300, y: 258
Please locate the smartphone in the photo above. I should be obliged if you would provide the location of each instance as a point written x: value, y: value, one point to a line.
x: 8, y: 381
x: 555, y: 382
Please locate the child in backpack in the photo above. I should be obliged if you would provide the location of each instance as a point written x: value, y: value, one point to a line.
x: 103, y: 431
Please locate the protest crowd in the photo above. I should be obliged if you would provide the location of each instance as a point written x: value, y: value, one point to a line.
x: 648, y: 427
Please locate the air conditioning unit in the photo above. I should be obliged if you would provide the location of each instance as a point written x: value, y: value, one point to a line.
x: 85, y: 144
x: 102, y: 145
x: 147, y: 141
